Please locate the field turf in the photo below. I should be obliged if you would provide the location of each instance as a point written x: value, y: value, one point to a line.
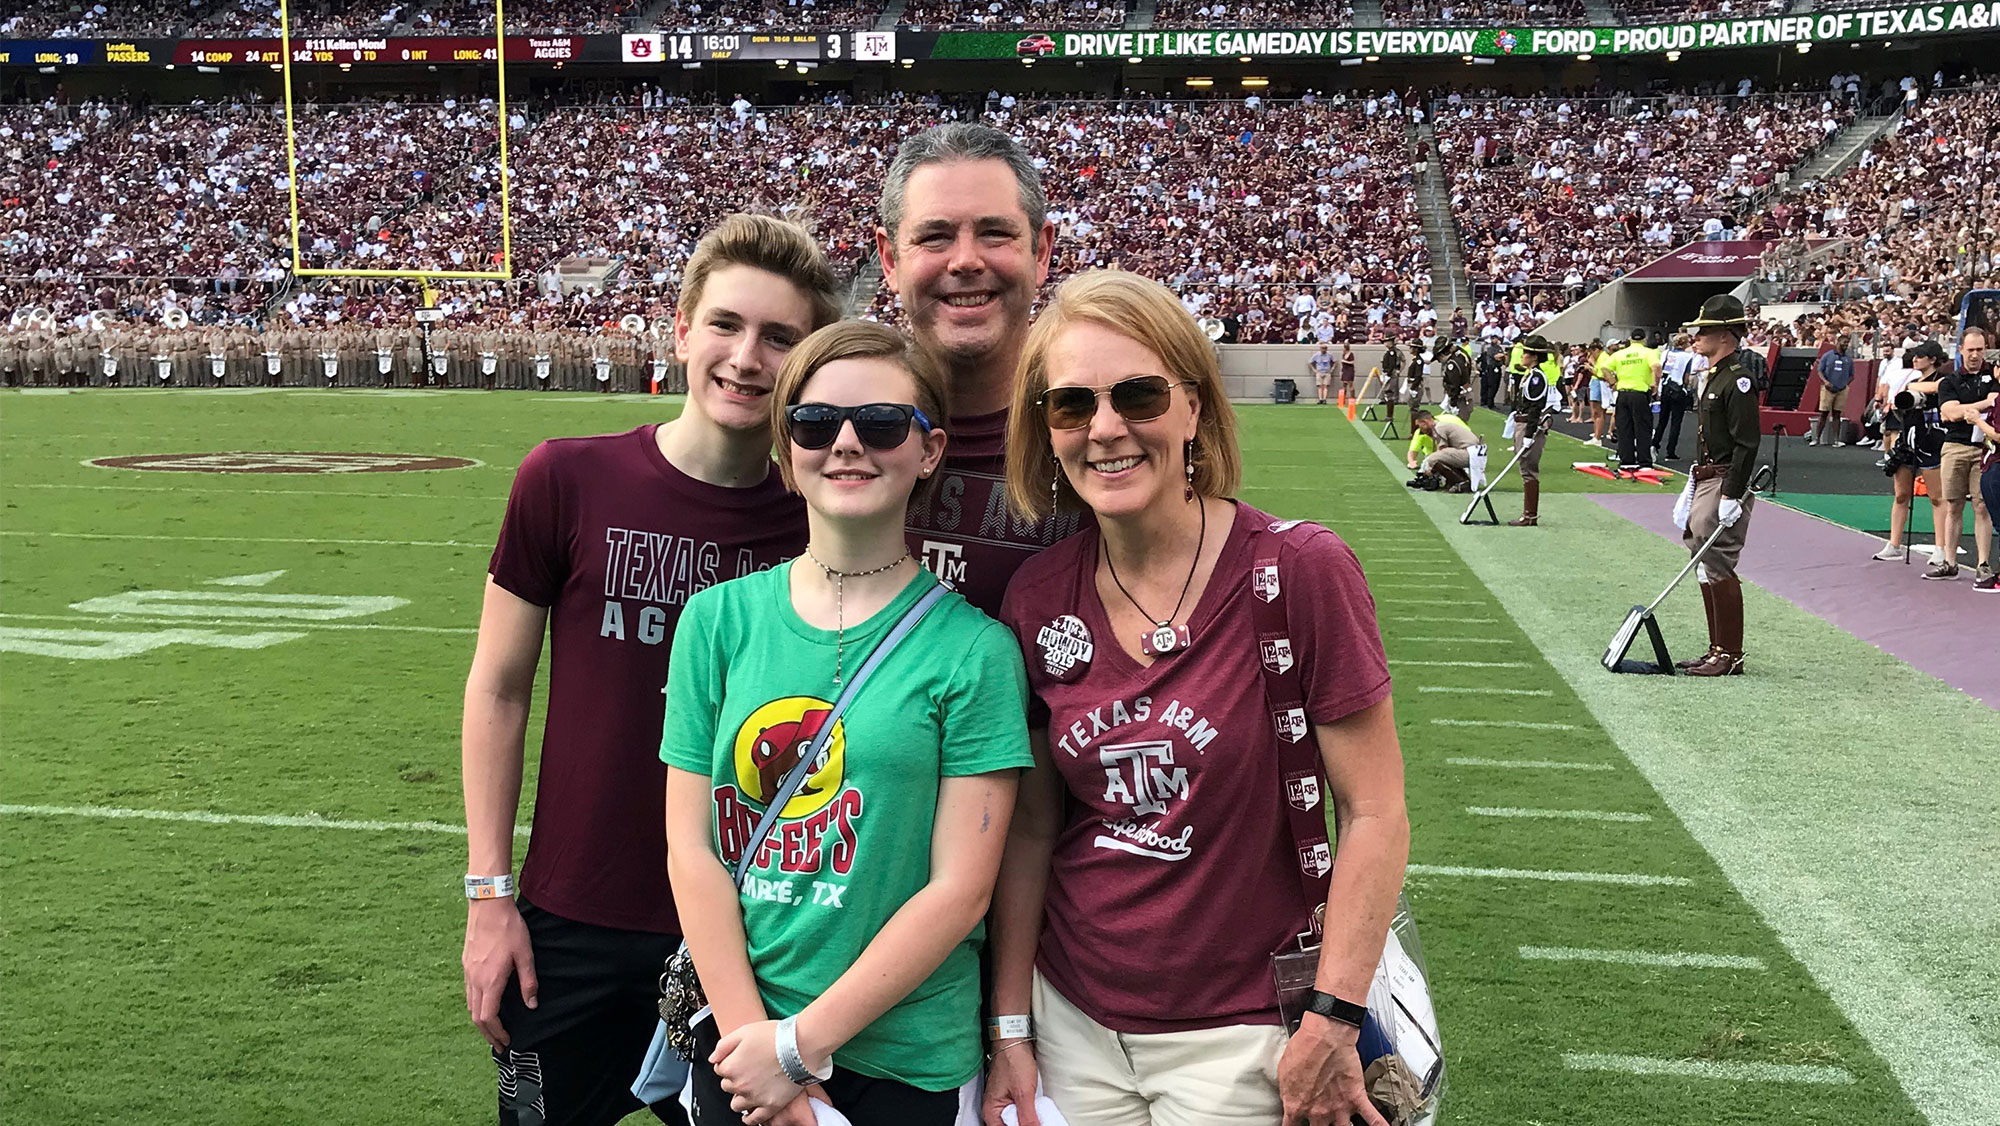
x: 230, y: 874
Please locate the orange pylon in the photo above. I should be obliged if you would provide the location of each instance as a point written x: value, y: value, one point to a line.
x: 1350, y: 410
x: 1921, y: 489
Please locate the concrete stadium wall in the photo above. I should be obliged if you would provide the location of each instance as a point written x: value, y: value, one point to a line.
x: 1248, y: 369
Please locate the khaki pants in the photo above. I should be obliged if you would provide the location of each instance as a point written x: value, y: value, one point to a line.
x: 1530, y: 440
x: 1213, y: 1077
x: 1958, y: 471
x: 1719, y: 565
x: 1460, y: 460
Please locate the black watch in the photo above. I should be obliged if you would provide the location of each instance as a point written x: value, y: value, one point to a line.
x: 1333, y: 1008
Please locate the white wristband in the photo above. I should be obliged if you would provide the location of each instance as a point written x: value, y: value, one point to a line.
x: 1010, y: 1028
x: 789, y: 1060
x: 489, y: 887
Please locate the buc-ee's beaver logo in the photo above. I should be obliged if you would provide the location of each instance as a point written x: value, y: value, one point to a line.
x: 773, y: 740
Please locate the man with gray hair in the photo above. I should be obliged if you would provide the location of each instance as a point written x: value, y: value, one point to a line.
x: 965, y: 241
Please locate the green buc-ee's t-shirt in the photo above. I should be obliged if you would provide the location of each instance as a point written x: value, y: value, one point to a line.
x: 749, y: 685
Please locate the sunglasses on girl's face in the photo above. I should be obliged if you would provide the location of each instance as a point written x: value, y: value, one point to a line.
x: 1141, y: 398
x: 882, y: 426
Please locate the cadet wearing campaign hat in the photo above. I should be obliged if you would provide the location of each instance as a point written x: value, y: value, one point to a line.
x: 1536, y: 379
x: 1727, y: 434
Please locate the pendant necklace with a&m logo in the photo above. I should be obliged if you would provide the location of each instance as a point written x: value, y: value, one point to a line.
x: 1165, y: 637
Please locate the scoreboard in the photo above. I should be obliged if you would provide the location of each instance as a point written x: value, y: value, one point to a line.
x: 701, y: 47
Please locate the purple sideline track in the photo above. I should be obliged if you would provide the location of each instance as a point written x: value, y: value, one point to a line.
x: 1824, y: 569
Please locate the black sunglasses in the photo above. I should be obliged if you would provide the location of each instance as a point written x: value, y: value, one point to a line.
x: 882, y: 426
x: 1141, y: 398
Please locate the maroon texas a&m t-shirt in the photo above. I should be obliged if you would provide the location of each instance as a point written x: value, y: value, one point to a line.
x: 1174, y: 876
x: 965, y: 534
x: 613, y: 540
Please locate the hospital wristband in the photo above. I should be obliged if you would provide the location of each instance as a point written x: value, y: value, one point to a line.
x: 489, y: 887
x: 1010, y: 1028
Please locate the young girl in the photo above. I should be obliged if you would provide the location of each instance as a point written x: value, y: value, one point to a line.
x: 847, y: 968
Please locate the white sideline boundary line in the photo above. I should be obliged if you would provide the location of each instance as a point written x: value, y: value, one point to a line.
x: 1455, y: 640
x: 142, y: 620
x: 1529, y: 764
x: 1428, y: 618
x: 268, y: 820
x: 1486, y: 691
x: 1418, y: 575
x: 1726, y: 1070
x: 1558, y: 814
x: 1666, y: 959
x: 237, y: 539
x: 1461, y: 664
x: 1628, y: 879
x: 1522, y: 724
x: 1899, y: 1006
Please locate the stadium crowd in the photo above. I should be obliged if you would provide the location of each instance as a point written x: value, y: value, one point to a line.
x: 992, y: 14
x: 1511, y: 13
x: 1198, y: 14
x: 86, y: 18
x: 1573, y: 192
x: 1914, y: 219
x: 1290, y: 221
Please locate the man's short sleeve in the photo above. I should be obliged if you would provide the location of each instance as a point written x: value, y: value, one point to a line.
x: 1332, y: 612
x: 694, y: 689
x: 531, y: 559
x: 985, y: 707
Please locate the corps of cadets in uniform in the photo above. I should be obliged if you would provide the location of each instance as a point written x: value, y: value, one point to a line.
x: 150, y: 354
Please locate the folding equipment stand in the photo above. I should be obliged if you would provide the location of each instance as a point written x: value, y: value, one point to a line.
x: 1483, y: 496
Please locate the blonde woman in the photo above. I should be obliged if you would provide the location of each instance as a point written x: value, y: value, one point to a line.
x: 1157, y: 786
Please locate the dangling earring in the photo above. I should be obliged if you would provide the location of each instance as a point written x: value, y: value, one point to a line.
x: 1055, y: 483
x: 1187, y: 459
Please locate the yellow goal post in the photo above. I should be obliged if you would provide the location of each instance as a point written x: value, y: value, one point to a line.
x: 299, y: 268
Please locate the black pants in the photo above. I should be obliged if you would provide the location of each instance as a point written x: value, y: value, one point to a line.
x: 1635, y: 429
x: 862, y: 1099
x: 1489, y: 387
x: 571, y: 1059
x: 1667, y: 429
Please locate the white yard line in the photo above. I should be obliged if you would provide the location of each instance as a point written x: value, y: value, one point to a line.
x: 1557, y: 814
x: 1528, y: 764
x: 1521, y: 724
x: 1666, y: 959
x: 203, y: 486
x: 269, y: 820
x: 239, y: 539
x: 1486, y: 691
x: 1727, y: 1070
x: 1454, y: 640
x: 1461, y: 664
x: 1630, y: 879
x: 138, y: 619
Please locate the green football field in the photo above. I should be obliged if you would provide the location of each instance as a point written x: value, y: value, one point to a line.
x: 230, y: 860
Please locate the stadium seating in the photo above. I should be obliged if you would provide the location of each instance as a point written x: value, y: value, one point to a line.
x: 1570, y: 193
x: 994, y: 14
x: 1915, y: 217
x: 768, y: 15
x: 1485, y: 13
x: 1192, y: 193
x: 1198, y: 14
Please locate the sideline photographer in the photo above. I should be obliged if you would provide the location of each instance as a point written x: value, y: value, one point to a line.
x: 1913, y: 440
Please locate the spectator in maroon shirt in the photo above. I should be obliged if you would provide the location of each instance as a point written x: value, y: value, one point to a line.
x: 1159, y: 770
x: 604, y: 541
